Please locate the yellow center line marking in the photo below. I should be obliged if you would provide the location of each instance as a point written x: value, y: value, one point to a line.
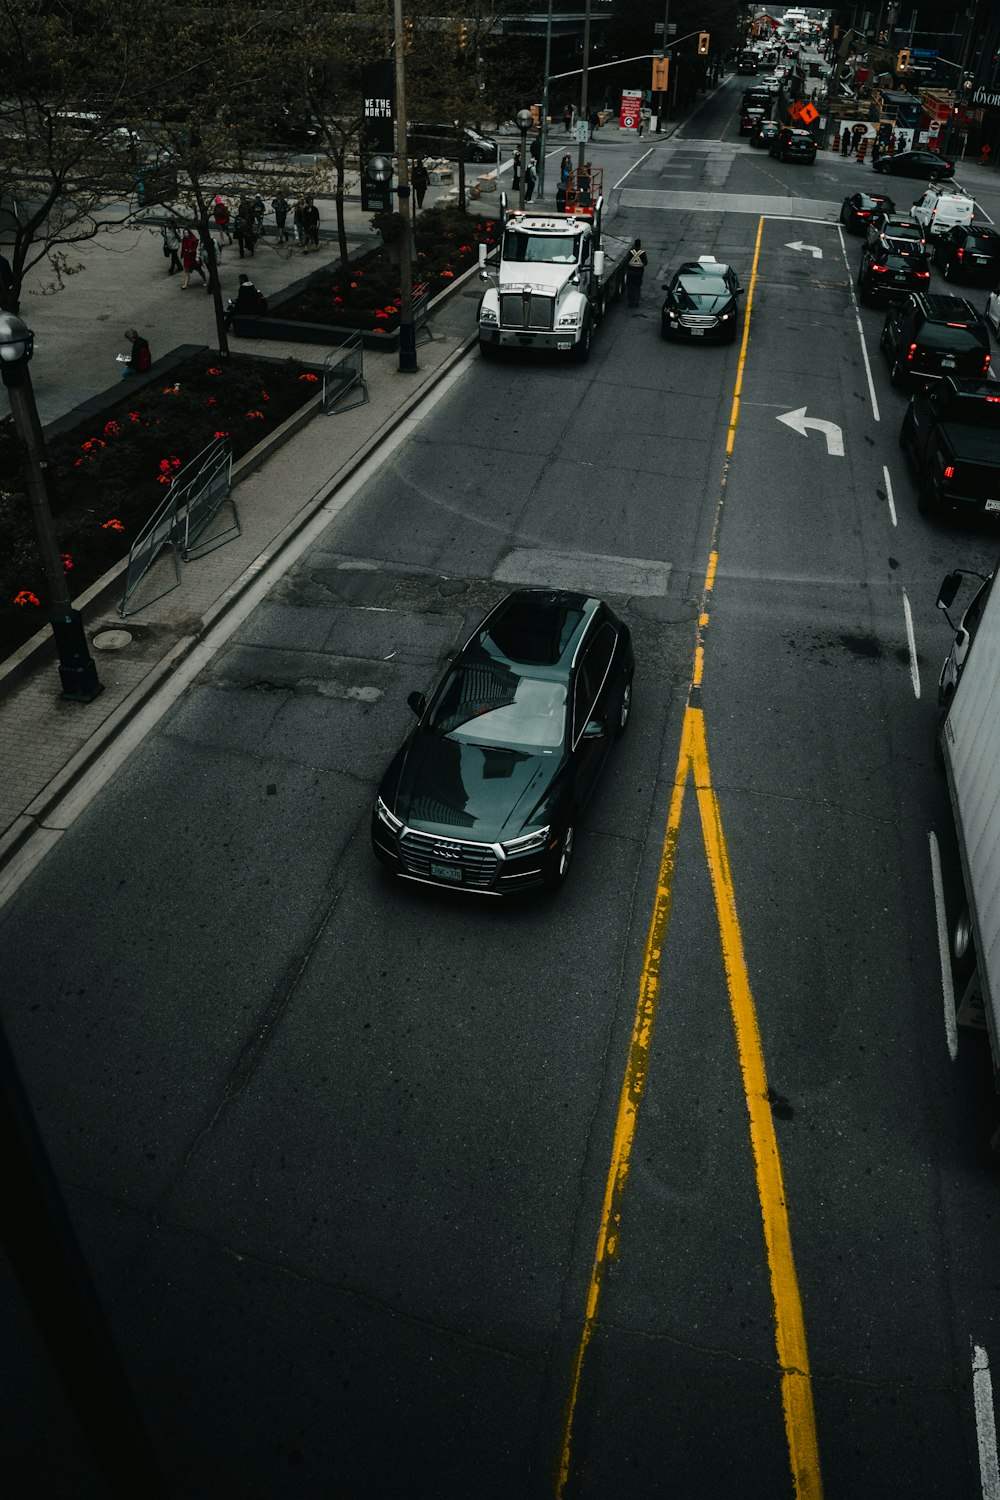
x: 790, y: 1337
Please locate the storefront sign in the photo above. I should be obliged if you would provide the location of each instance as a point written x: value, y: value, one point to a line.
x: 985, y: 98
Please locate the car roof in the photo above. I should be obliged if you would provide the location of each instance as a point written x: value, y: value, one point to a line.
x: 941, y: 308
x: 538, y: 629
x: 705, y: 265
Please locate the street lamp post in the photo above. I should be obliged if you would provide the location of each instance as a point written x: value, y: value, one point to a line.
x: 77, y: 671
x: 407, y: 329
x: 525, y: 120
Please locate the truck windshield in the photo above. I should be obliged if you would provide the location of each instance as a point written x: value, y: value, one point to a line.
x: 560, y: 250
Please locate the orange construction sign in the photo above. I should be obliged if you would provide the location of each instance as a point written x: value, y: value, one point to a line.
x: 808, y: 113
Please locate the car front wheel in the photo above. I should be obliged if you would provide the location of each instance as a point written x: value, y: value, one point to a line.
x: 563, y: 859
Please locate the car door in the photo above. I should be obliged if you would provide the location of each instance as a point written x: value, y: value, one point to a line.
x: 593, y: 709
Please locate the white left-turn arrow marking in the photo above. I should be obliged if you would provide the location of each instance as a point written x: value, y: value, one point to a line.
x: 800, y: 423
x: 814, y: 250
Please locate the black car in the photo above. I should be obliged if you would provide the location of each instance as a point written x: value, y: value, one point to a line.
x: 951, y: 435
x: 969, y: 253
x: 764, y: 132
x: 451, y: 143
x: 891, y: 269
x: 751, y: 115
x: 701, y: 301
x: 899, y: 226
x: 858, y: 210
x: 928, y: 337
x: 487, y: 792
x: 792, y: 144
x: 916, y: 164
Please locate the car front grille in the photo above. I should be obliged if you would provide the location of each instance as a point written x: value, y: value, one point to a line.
x: 698, y: 320
x: 477, y: 862
x: 527, y: 310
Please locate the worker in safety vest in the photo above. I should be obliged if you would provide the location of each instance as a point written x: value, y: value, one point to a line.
x: 634, y: 268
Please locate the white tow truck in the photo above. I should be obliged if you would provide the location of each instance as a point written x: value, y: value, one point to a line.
x: 553, y: 275
x: 969, y: 697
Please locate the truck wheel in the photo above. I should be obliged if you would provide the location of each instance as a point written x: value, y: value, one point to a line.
x: 581, y: 351
x: 487, y: 350
x: 925, y: 496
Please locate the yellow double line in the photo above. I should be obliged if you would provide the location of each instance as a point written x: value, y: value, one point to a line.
x: 789, y: 1324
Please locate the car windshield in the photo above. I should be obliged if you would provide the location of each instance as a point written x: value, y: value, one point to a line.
x: 689, y: 291
x: 560, y: 250
x: 487, y: 703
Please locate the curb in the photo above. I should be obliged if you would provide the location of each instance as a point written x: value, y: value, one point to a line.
x: 32, y: 819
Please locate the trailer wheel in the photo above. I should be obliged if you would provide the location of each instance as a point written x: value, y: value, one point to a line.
x: 581, y: 351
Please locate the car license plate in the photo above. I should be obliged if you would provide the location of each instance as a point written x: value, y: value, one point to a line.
x: 900, y: 276
x: 447, y: 872
x: 980, y: 260
x: 947, y: 364
x: 697, y: 333
x: 993, y: 505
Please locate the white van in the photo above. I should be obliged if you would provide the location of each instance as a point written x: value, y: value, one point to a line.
x: 941, y: 207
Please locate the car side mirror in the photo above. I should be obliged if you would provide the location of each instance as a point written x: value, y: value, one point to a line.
x: 595, y: 730
x: 417, y: 702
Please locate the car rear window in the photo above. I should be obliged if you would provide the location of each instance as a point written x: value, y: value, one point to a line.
x: 948, y: 337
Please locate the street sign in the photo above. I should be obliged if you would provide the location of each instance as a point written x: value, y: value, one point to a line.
x: 581, y: 131
x: 631, y: 109
x: 671, y: 28
x: 808, y: 113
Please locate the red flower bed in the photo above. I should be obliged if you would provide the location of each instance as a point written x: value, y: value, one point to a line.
x: 366, y: 293
x: 109, y: 475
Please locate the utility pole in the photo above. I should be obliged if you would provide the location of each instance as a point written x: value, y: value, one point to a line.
x: 407, y: 332
x: 584, y: 108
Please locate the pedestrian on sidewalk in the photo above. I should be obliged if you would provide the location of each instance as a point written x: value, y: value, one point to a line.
x: 568, y: 118
x: 876, y: 151
x: 171, y: 247
x: 279, y: 207
x: 634, y: 271
x: 845, y: 141
x: 208, y: 257
x: 189, y: 257
x: 222, y: 217
x: 594, y: 123
x: 984, y: 154
x: 530, y: 176
x: 138, y: 361
x: 515, y: 181
x: 257, y: 210
x: 420, y: 178
x: 310, y: 225
x: 246, y: 240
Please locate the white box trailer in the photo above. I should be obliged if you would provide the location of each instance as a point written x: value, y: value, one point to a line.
x: 969, y: 696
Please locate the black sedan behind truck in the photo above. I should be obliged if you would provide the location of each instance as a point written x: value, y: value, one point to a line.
x: 487, y: 792
x: 951, y: 435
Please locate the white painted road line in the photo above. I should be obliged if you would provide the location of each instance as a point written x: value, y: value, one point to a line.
x: 986, y: 1428
x: 631, y: 169
x: 944, y: 950
x: 861, y: 333
x: 888, y: 494
x: 914, y: 667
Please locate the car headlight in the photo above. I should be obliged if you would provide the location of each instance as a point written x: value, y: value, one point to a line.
x: 488, y: 316
x: 528, y: 842
x: 390, y: 820
x: 723, y: 317
x: 568, y: 320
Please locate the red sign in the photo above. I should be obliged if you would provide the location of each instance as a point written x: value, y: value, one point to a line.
x: 631, y: 108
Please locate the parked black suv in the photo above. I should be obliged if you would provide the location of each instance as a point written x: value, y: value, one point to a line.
x: 969, y: 253
x: 951, y: 435
x: 927, y: 337
x: 890, y: 269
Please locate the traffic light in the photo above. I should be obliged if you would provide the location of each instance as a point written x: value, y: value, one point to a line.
x: 703, y: 41
x: 661, y: 74
x: 903, y: 60
x: 463, y: 37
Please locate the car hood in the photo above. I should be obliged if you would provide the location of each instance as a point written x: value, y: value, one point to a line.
x: 467, y: 791
x: 702, y: 302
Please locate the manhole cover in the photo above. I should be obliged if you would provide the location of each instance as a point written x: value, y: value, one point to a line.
x: 112, y: 640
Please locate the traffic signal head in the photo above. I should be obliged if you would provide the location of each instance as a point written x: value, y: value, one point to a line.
x: 703, y: 41
x: 661, y: 74
x: 903, y: 60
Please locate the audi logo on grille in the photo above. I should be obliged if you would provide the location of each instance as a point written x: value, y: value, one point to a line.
x: 445, y: 851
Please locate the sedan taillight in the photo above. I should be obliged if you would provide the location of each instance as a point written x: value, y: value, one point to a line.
x: 911, y: 351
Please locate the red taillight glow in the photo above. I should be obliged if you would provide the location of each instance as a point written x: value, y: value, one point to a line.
x: 911, y: 351
x: 924, y: 275
x: 961, y: 252
x: 864, y: 213
x: 949, y: 471
x: 880, y: 269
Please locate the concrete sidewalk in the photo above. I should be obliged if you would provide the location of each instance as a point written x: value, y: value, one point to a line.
x: 48, y: 745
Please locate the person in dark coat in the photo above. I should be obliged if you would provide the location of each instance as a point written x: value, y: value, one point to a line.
x: 248, y: 300
x: 515, y: 181
x: 420, y: 180
x: 279, y: 207
x: 635, y: 268
x: 139, y: 359
x: 310, y: 225
x: 530, y: 176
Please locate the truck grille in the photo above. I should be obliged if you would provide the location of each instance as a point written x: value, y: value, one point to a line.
x: 477, y: 862
x: 527, y: 310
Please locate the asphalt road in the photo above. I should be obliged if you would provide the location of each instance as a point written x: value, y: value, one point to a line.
x: 337, y: 1149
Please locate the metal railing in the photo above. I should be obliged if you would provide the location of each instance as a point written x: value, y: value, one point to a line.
x: 182, y: 519
x: 343, y: 372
